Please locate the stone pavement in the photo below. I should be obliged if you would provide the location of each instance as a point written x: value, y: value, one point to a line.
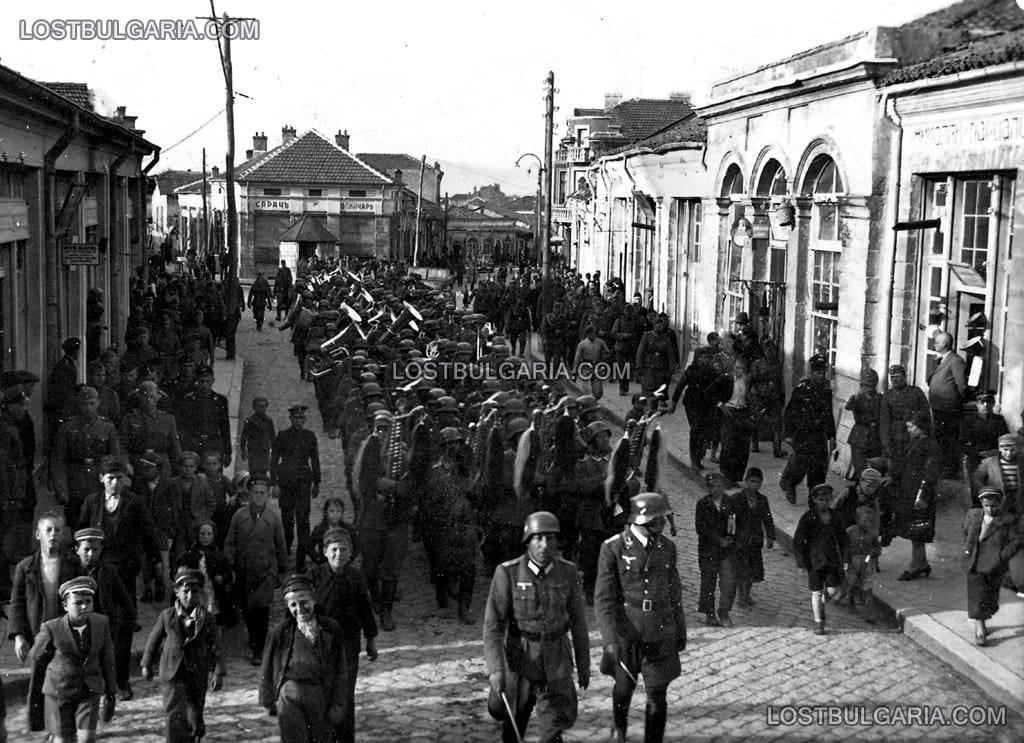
x: 429, y: 684
x: 932, y: 611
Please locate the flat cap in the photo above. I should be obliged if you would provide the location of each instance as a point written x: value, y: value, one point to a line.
x: 71, y: 345
x: 113, y: 463
x: 990, y: 494
x: 188, y: 576
x: 337, y: 534
x: 19, y: 376
x: 294, y: 409
x: 822, y: 489
x: 90, y: 532
x: 295, y: 583
x: 258, y: 478
x: 818, y: 362
x: 897, y: 369
x: 81, y: 584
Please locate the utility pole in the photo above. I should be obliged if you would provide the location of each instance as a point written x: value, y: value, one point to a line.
x: 545, y: 225
x: 206, y: 216
x: 419, y: 207
x: 229, y: 174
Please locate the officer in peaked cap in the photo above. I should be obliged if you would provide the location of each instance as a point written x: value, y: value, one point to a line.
x: 295, y: 472
x: 809, y: 427
x: 534, y: 601
x: 638, y: 602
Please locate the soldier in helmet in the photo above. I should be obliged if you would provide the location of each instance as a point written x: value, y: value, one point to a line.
x: 534, y: 600
x: 639, y: 607
x: 809, y: 427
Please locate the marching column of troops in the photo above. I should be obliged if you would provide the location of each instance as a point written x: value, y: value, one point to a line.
x: 450, y: 437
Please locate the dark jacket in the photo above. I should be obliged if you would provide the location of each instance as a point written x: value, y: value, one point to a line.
x: 755, y: 524
x: 133, y: 537
x: 278, y: 654
x: 195, y: 655
x: 55, y: 656
x: 989, y: 555
x: 712, y: 523
x: 27, y: 600
x: 345, y: 598
x: 817, y: 545
x: 111, y: 599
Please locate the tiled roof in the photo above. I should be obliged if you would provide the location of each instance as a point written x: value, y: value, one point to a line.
x: 312, y: 158
x: 195, y: 186
x: 691, y: 129
x: 77, y: 93
x: 171, y: 180
x: 972, y: 16
x: 641, y: 117
x: 307, y: 229
x: 387, y: 163
x: 999, y: 49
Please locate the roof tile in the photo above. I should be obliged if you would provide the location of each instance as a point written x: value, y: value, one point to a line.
x: 312, y: 158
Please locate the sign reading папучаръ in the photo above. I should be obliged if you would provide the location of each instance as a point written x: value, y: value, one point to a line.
x: 994, y: 130
x: 80, y: 254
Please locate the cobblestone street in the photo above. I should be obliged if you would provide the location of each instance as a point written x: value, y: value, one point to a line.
x: 429, y: 682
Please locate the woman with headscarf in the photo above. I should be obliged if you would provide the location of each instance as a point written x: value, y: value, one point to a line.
x: 866, y: 406
x: 914, y: 475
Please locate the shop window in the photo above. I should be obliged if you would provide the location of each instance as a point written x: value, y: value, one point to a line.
x: 732, y: 184
x: 357, y: 194
x: 825, y: 299
x: 735, y: 298
x: 315, y: 192
x: 974, y: 199
x: 826, y: 256
x: 271, y: 191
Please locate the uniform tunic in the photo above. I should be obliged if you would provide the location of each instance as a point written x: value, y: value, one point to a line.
x: 204, y: 422
x: 809, y: 421
x: 81, y: 444
x: 154, y: 434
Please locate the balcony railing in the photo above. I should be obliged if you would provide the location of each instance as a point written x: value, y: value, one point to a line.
x: 561, y: 214
x: 573, y: 155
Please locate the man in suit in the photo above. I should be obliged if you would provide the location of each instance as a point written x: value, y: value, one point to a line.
x: 947, y: 384
x: 72, y: 667
x: 639, y: 607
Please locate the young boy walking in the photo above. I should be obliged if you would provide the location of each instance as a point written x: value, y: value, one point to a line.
x: 819, y: 544
x: 185, y: 638
x: 72, y: 667
x: 754, y: 529
x: 863, y: 549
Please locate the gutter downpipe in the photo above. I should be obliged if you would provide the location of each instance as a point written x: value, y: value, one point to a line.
x: 52, y: 283
x: 632, y: 210
x: 141, y: 211
x: 114, y: 253
x: 610, y: 264
x: 890, y: 114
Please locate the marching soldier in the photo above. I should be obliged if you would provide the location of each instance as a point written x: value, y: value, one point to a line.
x: 655, y: 357
x: 295, y: 473
x: 899, y: 405
x: 149, y: 432
x: 60, y: 387
x: 810, y: 429
x: 500, y: 509
x: 639, y: 609
x: 82, y: 441
x: 204, y: 418
x: 591, y: 474
x: 534, y: 600
x: 626, y: 333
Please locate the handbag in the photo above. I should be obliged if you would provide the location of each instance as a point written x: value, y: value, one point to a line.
x: 920, y: 529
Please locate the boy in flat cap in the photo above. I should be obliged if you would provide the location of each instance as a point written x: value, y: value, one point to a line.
x: 72, y: 667
x: 111, y: 600
x: 304, y: 669
x: 819, y: 544
x: 185, y: 637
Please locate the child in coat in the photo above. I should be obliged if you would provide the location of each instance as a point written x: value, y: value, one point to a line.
x: 185, y: 638
x: 863, y: 549
x: 754, y: 529
x: 819, y: 544
x: 73, y: 666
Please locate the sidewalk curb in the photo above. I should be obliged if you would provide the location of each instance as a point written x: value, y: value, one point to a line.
x: 947, y: 646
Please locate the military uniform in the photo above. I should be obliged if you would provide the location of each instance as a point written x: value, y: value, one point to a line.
x: 639, y: 608
x: 295, y: 468
x: 150, y: 434
x: 591, y: 474
x: 529, y: 611
x: 899, y: 407
x: 655, y: 361
x: 80, y: 445
x: 626, y: 333
x: 809, y: 422
x: 256, y: 440
x: 205, y: 423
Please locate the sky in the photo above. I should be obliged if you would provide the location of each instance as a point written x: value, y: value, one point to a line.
x: 460, y: 82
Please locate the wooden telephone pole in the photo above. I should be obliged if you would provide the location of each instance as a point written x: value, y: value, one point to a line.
x: 545, y: 223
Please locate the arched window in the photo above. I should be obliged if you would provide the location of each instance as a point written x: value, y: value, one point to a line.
x: 772, y: 183
x: 733, y: 181
x: 824, y: 184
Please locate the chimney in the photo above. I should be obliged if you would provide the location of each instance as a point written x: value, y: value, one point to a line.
x: 341, y: 139
x: 216, y: 171
x: 681, y: 95
x: 259, y: 143
x: 398, y: 177
x: 611, y: 100
x: 248, y: 154
x: 287, y: 134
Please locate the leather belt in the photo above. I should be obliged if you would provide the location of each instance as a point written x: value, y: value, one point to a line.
x: 644, y: 604
x: 541, y: 636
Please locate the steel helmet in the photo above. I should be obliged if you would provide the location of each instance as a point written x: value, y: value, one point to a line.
x: 541, y: 522
x: 241, y: 480
x: 449, y: 434
x: 646, y: 507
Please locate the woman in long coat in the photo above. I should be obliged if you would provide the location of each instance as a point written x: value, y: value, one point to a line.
x: 914, y: 475
x: 256, y: 548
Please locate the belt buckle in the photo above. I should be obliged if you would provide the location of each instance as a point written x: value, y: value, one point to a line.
x: 647, y: 605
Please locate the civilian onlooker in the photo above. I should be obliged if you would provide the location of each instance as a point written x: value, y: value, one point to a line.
x: 990, y: 540
x: 698, y: 403
x: 861, y: 558
x: 864, y: 439
x: 591, y: 350
x: 819, y: 544
x: 767, y: 396
x: 755, y: 529
x: 863, y: 493
x: 257, y: 437
x: 914, y: 475
x: 947, y: 384
x: 731, y: 392
x: 715, y: 522
x: 1005, y: 472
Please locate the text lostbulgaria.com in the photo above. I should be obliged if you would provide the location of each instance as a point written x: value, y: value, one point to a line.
x: 883, y: 716
x: 137, y: 29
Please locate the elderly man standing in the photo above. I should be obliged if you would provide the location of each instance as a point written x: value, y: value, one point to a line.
x: 947, y: 384
x: 303, y: 672
x: 639, y: 607
x: 534, y: 600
